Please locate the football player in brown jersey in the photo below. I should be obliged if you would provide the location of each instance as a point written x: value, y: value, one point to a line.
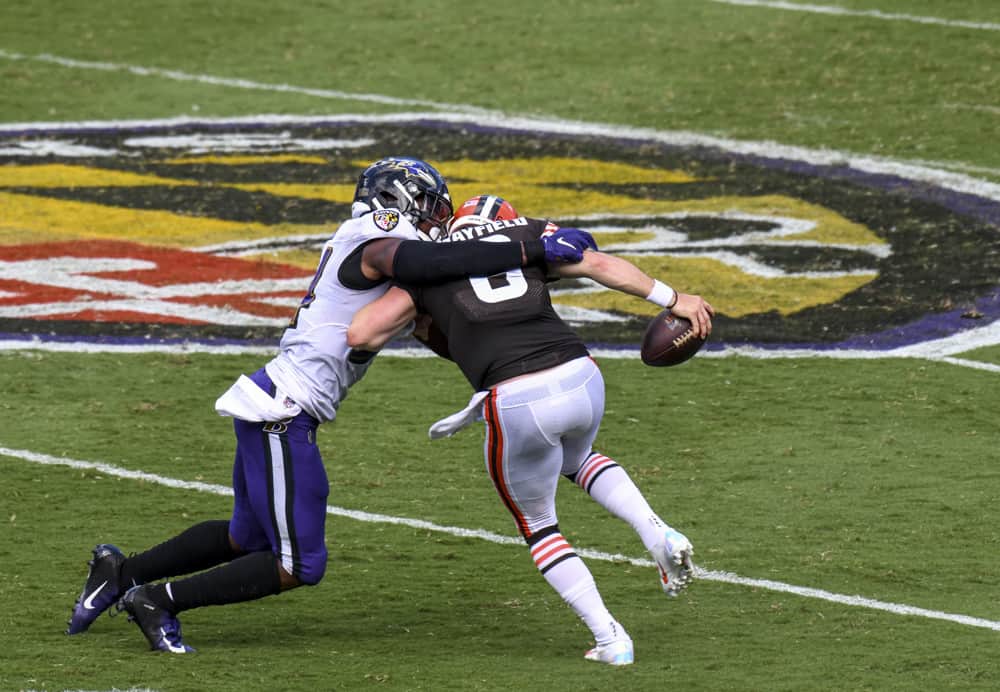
x: 542, y: 398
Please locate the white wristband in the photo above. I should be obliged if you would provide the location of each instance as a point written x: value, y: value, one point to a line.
x: 662, y: 295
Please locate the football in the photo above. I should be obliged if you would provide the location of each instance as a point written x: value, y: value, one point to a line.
x: 669, y: 340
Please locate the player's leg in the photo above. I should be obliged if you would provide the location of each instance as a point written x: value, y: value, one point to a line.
x: 524, y: 457
x: 202, y: 546
x: 111, y: 573
x: 612, y: 488
x: 287, y: 489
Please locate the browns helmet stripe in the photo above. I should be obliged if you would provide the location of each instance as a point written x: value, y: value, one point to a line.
x: 488, y: 206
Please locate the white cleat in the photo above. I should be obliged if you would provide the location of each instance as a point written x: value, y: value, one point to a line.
x: 673, y: 560
x: 618, y: 653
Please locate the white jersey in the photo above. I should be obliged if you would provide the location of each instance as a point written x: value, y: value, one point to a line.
x: 314, y: 366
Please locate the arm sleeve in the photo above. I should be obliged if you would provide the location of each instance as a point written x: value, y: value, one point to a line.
x: 420, y: 262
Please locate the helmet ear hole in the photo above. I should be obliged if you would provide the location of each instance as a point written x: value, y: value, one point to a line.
x: 385, y: 199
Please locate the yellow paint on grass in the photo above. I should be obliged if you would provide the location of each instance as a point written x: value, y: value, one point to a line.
x: 546, y: 187
x: 552, y: 170
x: 52, y: 175
x: 38, y: 219
x: 307, y: 259
x: 552, y: 187
x: 729, y: 290
x: 830, y: 227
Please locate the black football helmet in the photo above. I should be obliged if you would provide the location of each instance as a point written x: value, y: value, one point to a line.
x: 412, y: 186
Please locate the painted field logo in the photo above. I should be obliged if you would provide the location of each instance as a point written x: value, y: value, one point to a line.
x: 208, y: 230
x: 121, y: 282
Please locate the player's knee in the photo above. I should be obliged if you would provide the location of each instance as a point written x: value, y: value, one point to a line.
x: 312, y: 568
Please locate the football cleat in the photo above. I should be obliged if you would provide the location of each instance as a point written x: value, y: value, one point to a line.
x: 161, y: 629
x: 102, y: 588
x: 617, y: 653
x: 673, y: 560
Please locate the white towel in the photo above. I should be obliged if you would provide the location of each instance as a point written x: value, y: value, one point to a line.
x: 246, y: 401
x: 446, y: 427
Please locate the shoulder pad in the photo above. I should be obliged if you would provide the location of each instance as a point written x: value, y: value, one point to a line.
x: 368, y: 227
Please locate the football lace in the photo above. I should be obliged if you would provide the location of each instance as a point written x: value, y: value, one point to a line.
x: 683, y: 338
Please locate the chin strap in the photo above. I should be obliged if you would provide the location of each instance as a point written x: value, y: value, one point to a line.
x: 432, y: 235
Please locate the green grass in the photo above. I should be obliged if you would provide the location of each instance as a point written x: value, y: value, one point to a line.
x: 858, y: 84
x: 876, y: 478
x: 854, y: 477
x: 987, y: 354
x: 405, y: 610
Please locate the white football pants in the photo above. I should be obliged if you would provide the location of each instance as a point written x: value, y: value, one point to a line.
x: 539, y: 427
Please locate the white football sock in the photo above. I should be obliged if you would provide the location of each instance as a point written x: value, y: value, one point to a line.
x: 568, y: 575
x: 612, y: 488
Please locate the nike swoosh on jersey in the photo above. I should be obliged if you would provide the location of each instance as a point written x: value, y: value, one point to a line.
x: 88, y: 603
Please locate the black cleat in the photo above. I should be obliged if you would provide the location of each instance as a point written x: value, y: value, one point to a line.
x: 102, y: 588
x: 161, y: 628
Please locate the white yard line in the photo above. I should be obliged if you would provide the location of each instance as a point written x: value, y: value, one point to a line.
x: 491, y: 118
x: 930, y: 351
x: 458, y: 113
x: 704, y: 574
x: 178, y: 75
x: 873, y: 14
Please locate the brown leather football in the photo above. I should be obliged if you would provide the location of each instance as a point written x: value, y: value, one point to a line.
x: 669, y: 340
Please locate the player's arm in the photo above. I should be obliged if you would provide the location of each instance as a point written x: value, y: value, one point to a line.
x: 621, y: 275
x: 376, y: 323
x: 418, y: 262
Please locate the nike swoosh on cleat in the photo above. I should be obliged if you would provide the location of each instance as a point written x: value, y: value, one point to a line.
x: 175, y: 649
x: 88, y: 603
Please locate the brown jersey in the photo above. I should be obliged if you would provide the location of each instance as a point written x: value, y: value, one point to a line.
x: 500, y: 326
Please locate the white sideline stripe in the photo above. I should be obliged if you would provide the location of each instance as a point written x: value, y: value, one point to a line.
x: 875, y: 14
x: 974, y: 364
x: 701, y: 573
x: 233, y: 82
x: 35, y: 344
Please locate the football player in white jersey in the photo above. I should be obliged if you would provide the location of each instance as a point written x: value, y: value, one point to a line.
x: 542, y: 398
x: 275, y: 538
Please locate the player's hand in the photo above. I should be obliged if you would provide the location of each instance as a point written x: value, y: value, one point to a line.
x: 696, y: 309
x: 566, y: 245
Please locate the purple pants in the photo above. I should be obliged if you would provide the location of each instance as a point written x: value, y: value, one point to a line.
x: 280, y: 488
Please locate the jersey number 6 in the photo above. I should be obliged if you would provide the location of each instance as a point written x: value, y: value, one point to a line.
x: 489, y: 290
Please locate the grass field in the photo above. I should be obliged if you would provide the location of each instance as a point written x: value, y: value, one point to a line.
x: 843, y: 510
x: 851, y: 493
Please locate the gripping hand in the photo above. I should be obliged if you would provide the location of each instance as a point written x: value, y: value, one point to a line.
x: 566, y: 245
